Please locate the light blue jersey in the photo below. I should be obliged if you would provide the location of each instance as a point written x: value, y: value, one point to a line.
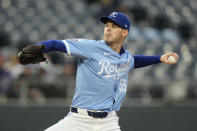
x: 102, y: 74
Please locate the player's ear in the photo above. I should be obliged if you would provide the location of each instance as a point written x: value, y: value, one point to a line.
x: 125, y: 33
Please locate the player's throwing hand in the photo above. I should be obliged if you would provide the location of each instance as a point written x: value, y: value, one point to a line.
x: 170, y: 58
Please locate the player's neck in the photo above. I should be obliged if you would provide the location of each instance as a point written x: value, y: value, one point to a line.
x: 115, y: 46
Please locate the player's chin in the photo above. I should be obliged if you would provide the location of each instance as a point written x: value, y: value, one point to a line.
x: 107, y: 40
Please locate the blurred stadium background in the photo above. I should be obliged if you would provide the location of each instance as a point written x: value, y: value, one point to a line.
x: 157, y: 26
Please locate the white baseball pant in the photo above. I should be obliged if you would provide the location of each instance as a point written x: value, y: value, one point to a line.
x: 81, y: 121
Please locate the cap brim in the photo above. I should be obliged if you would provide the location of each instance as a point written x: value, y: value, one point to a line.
x: 106, y: 19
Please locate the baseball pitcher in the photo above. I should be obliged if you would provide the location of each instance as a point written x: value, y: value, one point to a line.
x: 102, y: 74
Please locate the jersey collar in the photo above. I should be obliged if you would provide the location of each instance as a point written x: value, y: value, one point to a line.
x: 122, y: 51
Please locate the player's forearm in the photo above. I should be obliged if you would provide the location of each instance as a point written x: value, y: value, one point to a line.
x: 142, y: 60
x: 53, y: 45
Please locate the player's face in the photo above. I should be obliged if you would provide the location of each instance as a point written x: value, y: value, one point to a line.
x: 113, y: 33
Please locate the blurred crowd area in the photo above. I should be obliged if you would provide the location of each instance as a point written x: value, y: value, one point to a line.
x: 157, y: 27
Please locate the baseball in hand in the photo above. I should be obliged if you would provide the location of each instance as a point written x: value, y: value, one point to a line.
x: 172, y: 59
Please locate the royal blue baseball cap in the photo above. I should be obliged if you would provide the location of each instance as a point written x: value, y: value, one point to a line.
x: 119, y: 18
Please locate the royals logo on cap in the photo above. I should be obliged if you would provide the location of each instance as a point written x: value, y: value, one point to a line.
x: 114, y: 14
x: 119, y: 18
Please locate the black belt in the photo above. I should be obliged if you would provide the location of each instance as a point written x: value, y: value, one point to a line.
x: 90, y: 113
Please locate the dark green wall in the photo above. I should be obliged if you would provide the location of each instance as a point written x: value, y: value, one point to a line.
x: 131, y: 119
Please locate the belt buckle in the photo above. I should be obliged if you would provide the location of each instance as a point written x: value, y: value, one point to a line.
x: 97, y: 114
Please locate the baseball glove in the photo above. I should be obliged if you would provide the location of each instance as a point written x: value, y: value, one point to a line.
x: 31, y: 54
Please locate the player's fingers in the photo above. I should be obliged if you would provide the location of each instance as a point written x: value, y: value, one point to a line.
x: 175, y: 55
x: 165, y: 60
x: 168, y: 54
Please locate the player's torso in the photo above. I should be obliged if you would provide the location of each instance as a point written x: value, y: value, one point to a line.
x: 104, y: 79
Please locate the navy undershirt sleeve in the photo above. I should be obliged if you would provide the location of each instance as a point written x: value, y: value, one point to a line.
x: 143, y: 60
x: 53, y: 45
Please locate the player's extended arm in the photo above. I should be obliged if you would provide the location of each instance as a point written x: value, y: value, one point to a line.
x: 53, y: 45
x: 143, y: 60
x: 33, y: 54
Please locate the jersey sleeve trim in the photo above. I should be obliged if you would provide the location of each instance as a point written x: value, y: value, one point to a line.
x: 67, y: 47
